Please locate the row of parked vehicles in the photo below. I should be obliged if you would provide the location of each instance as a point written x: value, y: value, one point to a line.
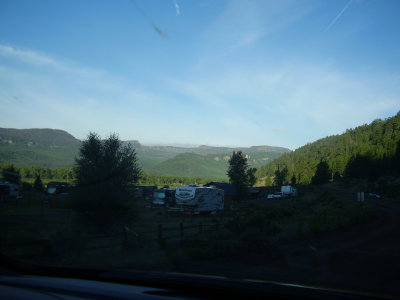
x: 8, y: 190
x: 192, y: 198
x: 286, y: 191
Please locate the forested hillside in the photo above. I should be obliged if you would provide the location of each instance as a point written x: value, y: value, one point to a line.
x: 38, y: 147
x: 210, y: 165
x: 51, y: 148
x: 366, y: 151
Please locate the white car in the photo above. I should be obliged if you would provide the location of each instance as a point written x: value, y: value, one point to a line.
x: 276, y: 195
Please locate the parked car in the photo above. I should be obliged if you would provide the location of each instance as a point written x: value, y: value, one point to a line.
x: 276, y: 195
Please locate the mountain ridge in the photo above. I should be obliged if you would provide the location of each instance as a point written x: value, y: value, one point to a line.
x: 56, y: 148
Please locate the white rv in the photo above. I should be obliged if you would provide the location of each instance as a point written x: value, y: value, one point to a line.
x: 288, y: 191
x: 199, y: 199
x: 9, y: 189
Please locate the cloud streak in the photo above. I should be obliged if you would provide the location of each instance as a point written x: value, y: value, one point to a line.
x: 338, y: 16
x: 30, y: 57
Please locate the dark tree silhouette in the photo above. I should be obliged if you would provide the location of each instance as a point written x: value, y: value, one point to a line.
x: 322, y: 174
x: 11, y: 174
x: 102, y: 171
x: 281, y: 176
x: 293, y: 180
x: 38, y: 184
x: 251, y: 177
x: 237, y: 172
x: 359, y: 166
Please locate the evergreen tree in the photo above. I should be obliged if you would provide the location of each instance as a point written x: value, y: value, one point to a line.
x: 281, y: 176
x: 237, y: 173
x: 102, y: 171
x: 11, y: 174
x: 38, y: 184
x: 251, y: 177
x: 322, y: 174
x: 293, y: 180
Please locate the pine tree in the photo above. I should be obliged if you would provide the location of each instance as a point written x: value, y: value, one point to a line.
x: 237, y: 173
x: 38, y: 184
x: 322, y: 174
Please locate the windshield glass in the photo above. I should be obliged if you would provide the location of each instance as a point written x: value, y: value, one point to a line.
x: 159, y: 195
x: 250, y: 139
x: 51, y: 190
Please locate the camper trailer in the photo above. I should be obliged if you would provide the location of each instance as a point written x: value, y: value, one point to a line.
x: 57, y: 194
x: 288, y: 191
x: 8, y: 189
x: 163, y: 197
x: 198, y: 199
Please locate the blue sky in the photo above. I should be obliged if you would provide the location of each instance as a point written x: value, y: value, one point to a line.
x: 223, y: 73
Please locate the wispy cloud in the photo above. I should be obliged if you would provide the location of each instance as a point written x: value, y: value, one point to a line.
x: 258, y: 19
x: 245, y: 24
x: 37, y: 59
x: 62, y: 95
x: 285, y: 105
x: 27, y: 56
x: 177, y: 8
x: 338, y: 15
x: 303, y: 101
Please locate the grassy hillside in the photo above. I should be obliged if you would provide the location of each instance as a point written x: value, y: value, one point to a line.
x: 365, y: 151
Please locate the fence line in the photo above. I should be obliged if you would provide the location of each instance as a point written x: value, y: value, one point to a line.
x: 161, y: 233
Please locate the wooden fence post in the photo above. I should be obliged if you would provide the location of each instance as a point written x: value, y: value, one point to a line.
x: 124, y: 237
x: 159, y: 232
x: 79, y: 244
x: 41, y: 209
x: 181, y: 229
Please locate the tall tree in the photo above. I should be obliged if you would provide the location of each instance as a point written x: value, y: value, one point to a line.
x: 11, y: 174
x: 251, y: 177
x: 102, y: 171
x: 38, y: 184
x: 237, y: 173
x: 322, y: 174
x: 281, y: 176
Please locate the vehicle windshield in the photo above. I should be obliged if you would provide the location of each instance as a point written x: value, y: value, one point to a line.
x: 250, y: 139
x: 159, y: 195
x: 51, y: 190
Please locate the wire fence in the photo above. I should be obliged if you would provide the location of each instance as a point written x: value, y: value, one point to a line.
x: 127, y: 238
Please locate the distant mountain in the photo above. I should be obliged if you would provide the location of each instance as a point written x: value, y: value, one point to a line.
x: 193, y: 164
x: 202, y: 161
x: 38, y: 147
x: 366, y: 151
x: 56, y: 148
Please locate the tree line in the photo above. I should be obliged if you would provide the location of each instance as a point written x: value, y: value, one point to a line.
x: 367, y: 151
x: 28, y: 174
